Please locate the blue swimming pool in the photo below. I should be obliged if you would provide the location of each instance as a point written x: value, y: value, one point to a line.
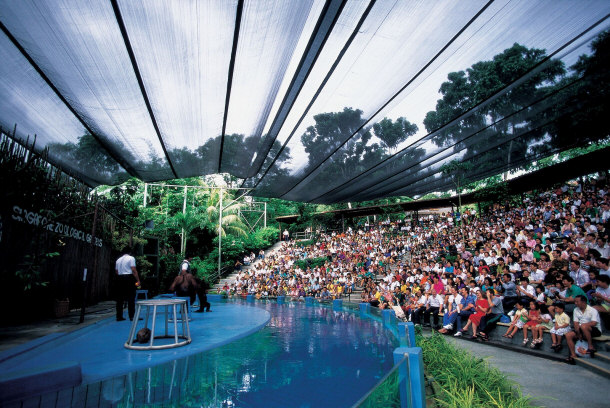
x: 304, y: 357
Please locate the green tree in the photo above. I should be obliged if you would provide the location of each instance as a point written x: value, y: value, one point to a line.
x: 331, y: 130
x: 359, y: 154
x: 187, y: 222
x: 89, y: 157
x: 457, y: 171
x: 230, y: 221
x: 499, y: 145
x: 393, y: 133
x: 580, y: 102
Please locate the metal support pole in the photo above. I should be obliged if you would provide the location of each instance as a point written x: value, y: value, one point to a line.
x: 182, y: 240
x: 219, y: 232
x: 413, y: 392
x: 92, y: 256
x: 265, y: 224
x: 145, y: 193
x: 406, y: 334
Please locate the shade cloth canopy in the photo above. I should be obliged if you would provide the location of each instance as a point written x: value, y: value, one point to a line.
x: 308, y: 100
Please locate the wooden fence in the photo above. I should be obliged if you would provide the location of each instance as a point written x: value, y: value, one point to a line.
x: 33, y: 280
x: 51, y: 230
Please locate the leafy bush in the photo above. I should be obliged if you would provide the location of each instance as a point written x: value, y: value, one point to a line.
x: 232, y: 247
x: 169, y: 266
x: 266, y: 237
x: 309, y: 242
x: 204, y: 268
x: 311, y: 262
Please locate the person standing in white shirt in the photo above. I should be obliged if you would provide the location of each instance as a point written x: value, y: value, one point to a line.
x: 127, y: 281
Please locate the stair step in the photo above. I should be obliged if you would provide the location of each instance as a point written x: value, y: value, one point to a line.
x: 603, y: 356
x: 599, y: 365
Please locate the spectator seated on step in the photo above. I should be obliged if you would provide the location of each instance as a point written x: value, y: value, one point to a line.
x: 450, y: 310
x: 465, y: 309
x: 600, y: 299
x: 571, y: 292
x: 586, y: 326
x: 561, y: 326
x: 490, y: 321
x: 433, y: 305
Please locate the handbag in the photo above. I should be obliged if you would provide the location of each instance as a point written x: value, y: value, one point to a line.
x: 580, y: 348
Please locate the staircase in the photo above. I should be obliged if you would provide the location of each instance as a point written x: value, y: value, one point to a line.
x: 233, y: 276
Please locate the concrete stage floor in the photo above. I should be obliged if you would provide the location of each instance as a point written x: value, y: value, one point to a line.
x: 99, y: 349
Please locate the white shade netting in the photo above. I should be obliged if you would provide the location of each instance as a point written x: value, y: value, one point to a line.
x: 313, y: 100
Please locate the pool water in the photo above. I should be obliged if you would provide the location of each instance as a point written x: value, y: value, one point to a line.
x: 305, y: 357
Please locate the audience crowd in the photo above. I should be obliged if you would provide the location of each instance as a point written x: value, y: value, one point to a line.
x: 541, y: 266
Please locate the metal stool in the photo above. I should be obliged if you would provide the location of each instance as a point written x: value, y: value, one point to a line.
x: 141, y: 292
x: 180, y: 339
x: 189, y: 308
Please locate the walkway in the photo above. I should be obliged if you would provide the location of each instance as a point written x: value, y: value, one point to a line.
x: 551, y: 383
x: 13, y: 336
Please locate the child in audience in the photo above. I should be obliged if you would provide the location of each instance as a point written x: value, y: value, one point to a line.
x: 546, y: 322
x: 519, y: 320
x: 533, y: 320
x: 560, y: 328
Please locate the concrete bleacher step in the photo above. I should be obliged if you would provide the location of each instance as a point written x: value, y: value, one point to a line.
x: 549, y: 355
x: 603, y: 356
x: 601, y: 342
x: 600, y: 364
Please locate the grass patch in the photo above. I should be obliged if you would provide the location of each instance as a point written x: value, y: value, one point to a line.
x: 465, y: 380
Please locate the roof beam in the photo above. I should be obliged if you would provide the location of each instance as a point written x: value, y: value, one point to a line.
x: 238, y: 14
x: 326, y: 78
x: 116, y: 157
x: 136, y: 70
x: 326, y: 22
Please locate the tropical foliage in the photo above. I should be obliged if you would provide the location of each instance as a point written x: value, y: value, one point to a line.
x: 184, y: 216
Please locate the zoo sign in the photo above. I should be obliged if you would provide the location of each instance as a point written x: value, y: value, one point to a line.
x: 39, y: 220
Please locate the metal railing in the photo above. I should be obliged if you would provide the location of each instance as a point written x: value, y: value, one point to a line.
x: 301, y: 235
x: 217, y: 276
